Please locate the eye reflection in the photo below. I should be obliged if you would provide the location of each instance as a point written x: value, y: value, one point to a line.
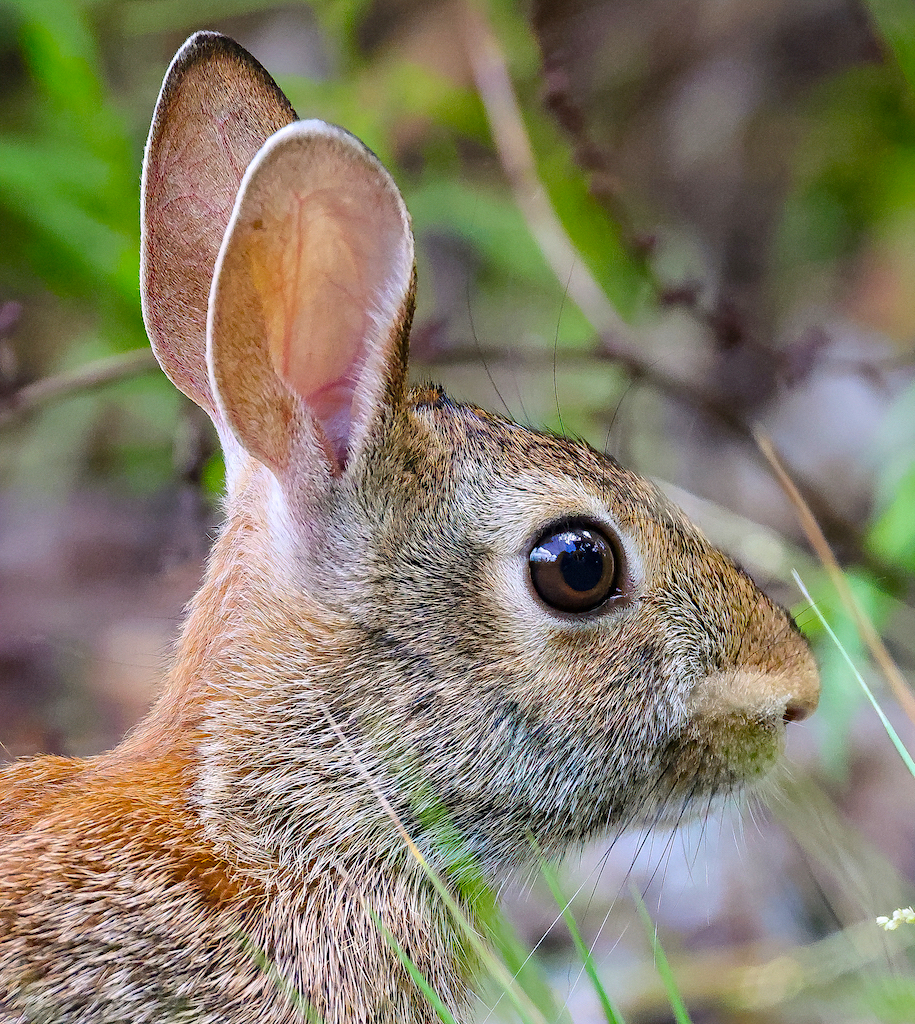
x: 574, y: 568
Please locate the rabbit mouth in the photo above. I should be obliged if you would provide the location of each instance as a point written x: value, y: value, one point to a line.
x: 737, y: 727
x: 733, y: 733
x: 705, y: 769
x: 732, y: 754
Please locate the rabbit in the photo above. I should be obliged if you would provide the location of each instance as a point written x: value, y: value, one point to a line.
x: 415, y: 610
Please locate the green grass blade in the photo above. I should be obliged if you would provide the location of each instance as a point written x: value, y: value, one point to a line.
x: 611, y: 1014
x: 428, y: 991
x: 519, y: 999
x: 890, y: 731
x: 662, y: 964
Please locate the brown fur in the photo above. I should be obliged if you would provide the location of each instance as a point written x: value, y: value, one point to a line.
x: 371, y: 574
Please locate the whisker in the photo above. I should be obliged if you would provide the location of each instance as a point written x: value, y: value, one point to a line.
x: 483, y: 360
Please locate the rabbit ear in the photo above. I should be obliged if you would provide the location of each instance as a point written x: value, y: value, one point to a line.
x: 216, y: 108
x: 311, y: 302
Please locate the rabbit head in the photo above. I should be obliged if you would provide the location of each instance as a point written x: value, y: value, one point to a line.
x: 505, y: 624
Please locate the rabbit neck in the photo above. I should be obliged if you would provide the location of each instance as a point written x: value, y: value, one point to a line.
x: 250, y: 712
x: 264, y: 676
x: 328, y: 934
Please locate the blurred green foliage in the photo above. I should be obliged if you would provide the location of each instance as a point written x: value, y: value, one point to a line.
x: 71, y: 134
x: 895, y: 20
x: 68, y: 175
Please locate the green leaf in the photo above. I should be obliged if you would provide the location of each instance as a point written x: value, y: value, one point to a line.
x: 598, y: 239
x: 487, y: 218
x: 35, y: 182
x: 892, y: 536
x: 895, y: 20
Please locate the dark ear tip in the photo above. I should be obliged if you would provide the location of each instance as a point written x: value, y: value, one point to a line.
x: 200, y: 45
x: 205, y: 43
x: 203, y: 36
x: 204, y: 47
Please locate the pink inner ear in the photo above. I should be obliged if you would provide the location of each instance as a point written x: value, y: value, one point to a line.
x: 319, y: 291
x: 332, y: 407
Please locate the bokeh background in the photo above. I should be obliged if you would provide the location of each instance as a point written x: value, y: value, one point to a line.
x: 655, y: 224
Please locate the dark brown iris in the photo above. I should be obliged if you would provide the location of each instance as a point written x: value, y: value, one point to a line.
x: 575, y: 567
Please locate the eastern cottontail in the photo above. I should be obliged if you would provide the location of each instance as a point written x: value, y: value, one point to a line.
x: 508, y: 627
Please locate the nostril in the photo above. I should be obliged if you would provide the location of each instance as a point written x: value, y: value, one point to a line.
x: 797, y: 711
x: 803, y: 692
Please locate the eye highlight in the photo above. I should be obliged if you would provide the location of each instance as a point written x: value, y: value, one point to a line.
x: 575, y: 567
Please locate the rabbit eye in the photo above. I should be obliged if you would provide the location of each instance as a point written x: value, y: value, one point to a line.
x: 575, y: 568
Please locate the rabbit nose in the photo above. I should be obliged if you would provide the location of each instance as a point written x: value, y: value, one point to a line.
x: 798, y: 710
x: 805, y: 692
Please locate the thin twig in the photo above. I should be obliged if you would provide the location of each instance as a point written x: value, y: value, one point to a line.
x: 616, y: 339
x: 517, y: 157
x: 33, y: 396
x: 821, y: 546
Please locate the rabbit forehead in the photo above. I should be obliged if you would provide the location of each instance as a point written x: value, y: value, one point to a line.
x: 535, y: 479
x: 505, y: 483
x: 496, y: 452
x: 526, y: 504
x: 526, y: 501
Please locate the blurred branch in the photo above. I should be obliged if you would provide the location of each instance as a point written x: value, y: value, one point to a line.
x: 30, y: 397
x: 820, y: 545
x: 517, y: 157
x: 617, y: 341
